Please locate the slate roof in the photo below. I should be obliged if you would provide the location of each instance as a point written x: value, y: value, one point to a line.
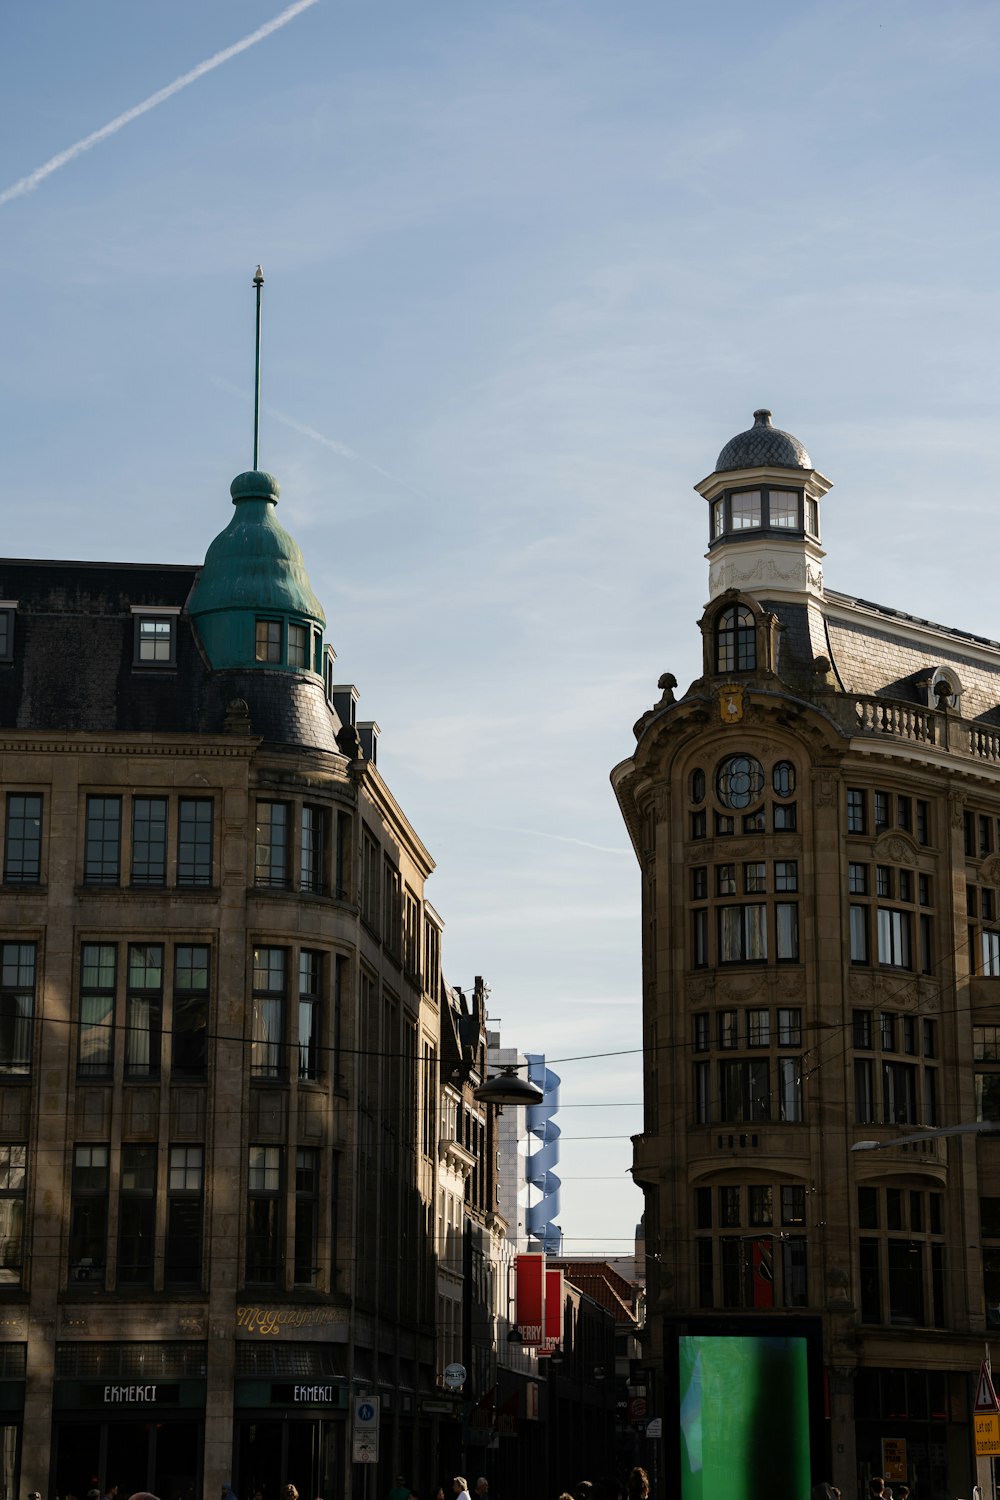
x: 603, y: 1283
x: 73, y: 668
x: 763, y: 446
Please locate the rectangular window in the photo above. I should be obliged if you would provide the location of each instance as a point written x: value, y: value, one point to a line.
x: 701, y: 1034
x: 298, y: 646
x: 189, y: 1057
x: 371, y: 870
x: 985, y: 1044
x: 790, y: 1027
x: 904, y: 813
x: 744, y: 1090
x: 702, y: 1093
x: 267, y: 1053
x: 312, y: 854
x: 786, y: 919
x: 729, y: 1208
x: 905, y: 885
x: 272, y: 845
x: 895, y: 938
x: 306, y: 1215
x: 392, y: 909
x: 728, y: 1034
x: 859, y: 934
x: 758, y: 1024
x: 264, y: 1220
x: 310, y: 1012
x: 185, y: 1199
x: 868, y: 1207
x: 411, y: 934
x: 887, y: 1030
x: 864, y: 1092
x: 88, y: 1214
x: 745, y: 510
x: 881, y: 804
x: 703, y: 1208
x: 725, y: 825
x: 988, y: 1096
x: 906, y: 1282
x: 783, y: 509
x: 857, y: 879
x: 699, y: 938
x: 794, y: 1281
x: 742, y: 933
x: 923, y: 828
x: 154, y: 641
x: 194, y: 841
x: 871, y: 1282
x: 102, y: 846
x: 784, y: 817
x: 989, y: 953
x: 862, y: 1028
x: 857, y: 810
x: 786, y: 875
x: 22, y: 859
x: 793, y: 1204
x: 754, y: 822
x: 17, y: 1007
x: 760, y: 1211
x: 883, y: 881
x: 755, y: 878
x: 812, y: 516
x: 725, y: 880
x: 699, y: 824
x: 924, y: 892
x: 268, y: 637
x: 899, y: 1093
x: 137, y: 1216
x: 790, y: 1089
x: 13, y: 1175
x: 143, y: 1010
x: 149, y: 841
x: 929, y: 1038
x: 6, y: 634
x: 98, y: 971
x: 699, y: 883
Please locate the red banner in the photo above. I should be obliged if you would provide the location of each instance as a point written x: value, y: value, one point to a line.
x: 530, y: 1302
x: 553, y: 1311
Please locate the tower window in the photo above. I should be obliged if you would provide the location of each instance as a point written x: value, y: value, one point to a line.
x: 269, y: 640
x: 745, y: 510
x: 736, y: 640
x: 298, y: 646
x: 783, y: 509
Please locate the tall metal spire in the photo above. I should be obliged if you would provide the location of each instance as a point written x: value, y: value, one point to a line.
x: 258, y: 281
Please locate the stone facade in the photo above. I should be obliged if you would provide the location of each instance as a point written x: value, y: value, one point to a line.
x: 817, y: 821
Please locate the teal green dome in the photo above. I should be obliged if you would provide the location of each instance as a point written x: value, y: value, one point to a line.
x: 254, y: 572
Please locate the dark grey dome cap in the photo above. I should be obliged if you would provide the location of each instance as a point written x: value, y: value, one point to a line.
x: 763, y: 447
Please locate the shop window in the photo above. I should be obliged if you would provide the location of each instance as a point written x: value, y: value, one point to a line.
x: 185, y: 1206
x: 267, y: 1048
x: 102, y: 841
x: 17, y: 1007
x: 143, y: 1010
x: 22, y: 859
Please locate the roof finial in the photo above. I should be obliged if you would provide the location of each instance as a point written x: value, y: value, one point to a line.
x: 258, y: 281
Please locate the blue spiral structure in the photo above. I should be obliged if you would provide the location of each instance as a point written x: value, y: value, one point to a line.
x: 543, y: 1233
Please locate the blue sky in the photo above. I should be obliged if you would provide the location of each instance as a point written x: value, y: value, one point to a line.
x: 528, y: 267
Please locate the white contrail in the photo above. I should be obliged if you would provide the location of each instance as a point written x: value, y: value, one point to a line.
x: 29, y: 183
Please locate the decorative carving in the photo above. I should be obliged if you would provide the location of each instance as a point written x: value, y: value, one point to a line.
x: 956, y: 801
x: 740, y: 990
x: 731, y: 702
x: 667, y: 682
x: 826, y: 783
x: 237, y: 720
x: 897, y: 847
x: 989, y: 870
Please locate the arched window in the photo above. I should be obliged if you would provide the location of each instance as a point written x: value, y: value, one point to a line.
x: 736, y: 640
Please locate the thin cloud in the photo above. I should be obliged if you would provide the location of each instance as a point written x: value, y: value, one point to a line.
x: 559, y: 838
x: 33, y: 179
x: 334, y: 444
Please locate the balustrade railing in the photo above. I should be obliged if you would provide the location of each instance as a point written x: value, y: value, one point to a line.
x: 923, y: 726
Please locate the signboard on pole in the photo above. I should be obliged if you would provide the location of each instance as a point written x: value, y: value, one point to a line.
x: 365, y: 1431
x: 530, y: 1298
x: 986, y: 1396
x: 986, y: 1415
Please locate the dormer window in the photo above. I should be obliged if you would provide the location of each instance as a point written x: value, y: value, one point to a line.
x: 298, y: 646
x: 269, y: 640
x: 7, y: 608
x: 764, y: 509
x: 736, y: 640
x: 155, y: 637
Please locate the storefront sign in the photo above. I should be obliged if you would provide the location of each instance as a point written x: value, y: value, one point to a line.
x: 256, y: 1321
x: 150, y: 1394
x: 114, y: 1395
x: 305, y: 1395
x: 553, y: 1311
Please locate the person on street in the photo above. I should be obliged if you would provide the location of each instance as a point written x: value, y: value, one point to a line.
x: 400, y: 1490
x: 460, y: 1487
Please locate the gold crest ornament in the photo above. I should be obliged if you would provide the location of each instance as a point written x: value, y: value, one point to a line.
x: 731, y: 702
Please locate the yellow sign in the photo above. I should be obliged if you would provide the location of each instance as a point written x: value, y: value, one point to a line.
x: 987, y: 1429
x: 894, y: 1459
x: 731, y: 702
